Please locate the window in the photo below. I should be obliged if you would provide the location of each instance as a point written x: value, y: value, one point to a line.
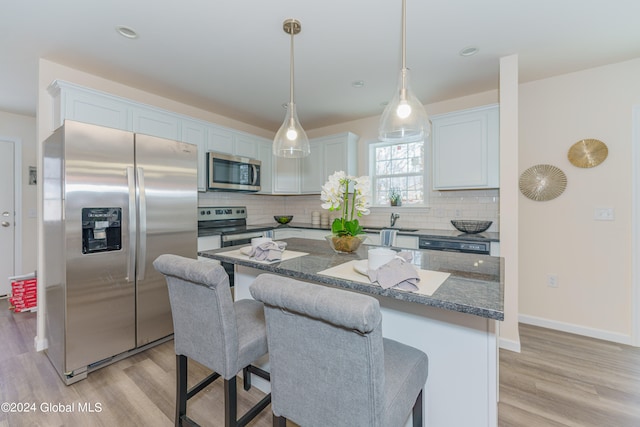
x: 397, y: 165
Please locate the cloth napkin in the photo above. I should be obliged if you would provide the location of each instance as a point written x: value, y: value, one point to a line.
x: 268, y: 251
x: 398, y: 273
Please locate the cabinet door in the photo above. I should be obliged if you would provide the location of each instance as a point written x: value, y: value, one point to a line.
x: 246, y: 146
x: 155, y: 123
x: 196, y: 133
x: 285, y: 233
x: 265, y: 155
x: 316, y: 234
x: 409, y: 242
x: 466, y: 149
x: 286, y: 178
x: 220, y: 140
x: 340, y: 154
x: 312, y: 169
x: 93, y: 108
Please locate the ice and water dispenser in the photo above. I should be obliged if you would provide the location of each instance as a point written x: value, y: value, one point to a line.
x: 101, y: 229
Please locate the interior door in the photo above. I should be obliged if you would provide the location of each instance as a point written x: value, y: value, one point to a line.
x: 7, y: 227
x: 167, y: 210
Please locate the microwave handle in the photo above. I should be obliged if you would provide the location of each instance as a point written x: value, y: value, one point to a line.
x: 254, y: 174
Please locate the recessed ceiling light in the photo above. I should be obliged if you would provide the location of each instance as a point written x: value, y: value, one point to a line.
x: 357, y: 83
x: 127, y: 32
x: 469, y: 51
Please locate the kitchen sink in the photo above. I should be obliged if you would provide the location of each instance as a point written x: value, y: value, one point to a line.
x: 377, y: 229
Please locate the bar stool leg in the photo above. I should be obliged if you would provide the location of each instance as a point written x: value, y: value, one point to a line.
x: 181, y: 388
x: 417, y: 411
x: 230, y: 403
x: 279, y: 421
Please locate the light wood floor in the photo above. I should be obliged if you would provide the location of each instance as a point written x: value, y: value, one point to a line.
x: 558, y: 380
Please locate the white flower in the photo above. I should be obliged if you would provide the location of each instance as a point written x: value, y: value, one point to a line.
x: 335, y: 194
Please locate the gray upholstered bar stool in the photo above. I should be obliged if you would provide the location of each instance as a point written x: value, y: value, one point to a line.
x: 210, y: 328
x: 330, y: 365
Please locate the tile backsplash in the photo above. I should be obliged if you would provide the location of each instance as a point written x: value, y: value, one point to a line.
x: 443, y: 207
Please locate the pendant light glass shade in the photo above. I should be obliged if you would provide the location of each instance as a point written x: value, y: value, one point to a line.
x: 404, y: 118
x: 291, y: 140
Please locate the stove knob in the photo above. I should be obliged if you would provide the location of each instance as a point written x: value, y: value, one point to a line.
x: 208, y: 212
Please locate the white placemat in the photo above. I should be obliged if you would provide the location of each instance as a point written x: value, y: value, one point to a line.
x: 429, y: 282
x: 287, y: 254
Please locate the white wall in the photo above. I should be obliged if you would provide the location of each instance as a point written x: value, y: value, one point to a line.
x: 23, y: 128
x: 592, y: 259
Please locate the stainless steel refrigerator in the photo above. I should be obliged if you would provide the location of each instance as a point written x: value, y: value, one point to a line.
x: 113, y: 202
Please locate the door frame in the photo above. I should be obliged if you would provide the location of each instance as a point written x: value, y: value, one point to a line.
x: 635, y: 224
x: 17, y: 202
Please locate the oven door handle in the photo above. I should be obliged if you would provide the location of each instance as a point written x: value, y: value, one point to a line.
x: 240, y: 236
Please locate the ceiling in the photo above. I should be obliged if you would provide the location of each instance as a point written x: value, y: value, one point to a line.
x: 232, y: 57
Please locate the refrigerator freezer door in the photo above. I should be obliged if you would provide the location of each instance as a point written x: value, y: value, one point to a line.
x: 167, y: 201
x: 100, y: 296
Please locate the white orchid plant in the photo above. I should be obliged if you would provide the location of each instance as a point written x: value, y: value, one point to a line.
x: 335, y: 195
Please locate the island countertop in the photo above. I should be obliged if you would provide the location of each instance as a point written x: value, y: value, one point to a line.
x: 475, y: 286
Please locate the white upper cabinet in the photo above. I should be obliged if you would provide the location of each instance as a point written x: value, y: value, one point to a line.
x: 265, y: 155
x: 328, y: 154
x: 195, y: 133
x: 228, y: 141
x: 155, y: 123
x: 286, y: 175
x: 466, y: 149
x: 74, y: 102
x: 87, y: 106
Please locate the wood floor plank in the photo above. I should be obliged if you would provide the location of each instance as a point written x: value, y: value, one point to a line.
x: 558, y: 380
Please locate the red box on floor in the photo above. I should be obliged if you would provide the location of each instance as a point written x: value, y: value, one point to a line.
x: 24, y: 293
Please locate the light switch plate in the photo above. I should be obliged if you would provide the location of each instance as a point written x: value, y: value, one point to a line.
x: 603, y: 214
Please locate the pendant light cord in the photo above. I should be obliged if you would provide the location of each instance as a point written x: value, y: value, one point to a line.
x: 292, y: 32
x: 404, y: 44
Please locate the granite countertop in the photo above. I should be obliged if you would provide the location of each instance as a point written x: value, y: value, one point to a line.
x: 419, y: 232
x: 476, y: 284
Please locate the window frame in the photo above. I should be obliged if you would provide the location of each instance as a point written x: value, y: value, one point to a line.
x: 371, y: 158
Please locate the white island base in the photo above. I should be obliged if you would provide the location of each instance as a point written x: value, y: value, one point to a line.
x: 462, y: 386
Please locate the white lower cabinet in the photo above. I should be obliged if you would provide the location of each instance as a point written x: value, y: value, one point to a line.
x: 402, y: 241
x: 316, y: 234
x: 286, y: 233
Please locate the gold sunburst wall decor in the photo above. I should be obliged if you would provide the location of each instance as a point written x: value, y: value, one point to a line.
x: 588, y: 153
x: 542, y: 182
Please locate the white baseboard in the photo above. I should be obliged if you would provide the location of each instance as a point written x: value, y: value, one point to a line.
x: 576, y: 329
x: 40, y: 344
x: 510, y: 345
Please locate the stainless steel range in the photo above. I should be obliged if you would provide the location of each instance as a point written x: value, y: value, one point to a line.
x: 230, y: 223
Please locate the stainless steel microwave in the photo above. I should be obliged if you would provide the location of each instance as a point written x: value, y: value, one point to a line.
x: 232, y: 173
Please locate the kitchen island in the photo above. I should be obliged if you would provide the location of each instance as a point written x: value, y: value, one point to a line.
x: 456, y: 326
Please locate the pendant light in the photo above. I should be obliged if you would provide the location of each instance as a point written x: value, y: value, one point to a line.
x: 291, y: 140
x: 404, y: 118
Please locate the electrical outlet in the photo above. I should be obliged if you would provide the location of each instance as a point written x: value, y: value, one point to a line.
x: 603, y: 214
x: 458, y: 213
x: 552, y: 280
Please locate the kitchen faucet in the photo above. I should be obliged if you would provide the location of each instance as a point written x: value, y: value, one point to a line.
x: 394, y: 218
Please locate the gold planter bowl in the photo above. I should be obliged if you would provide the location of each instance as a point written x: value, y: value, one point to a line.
x: 345, y: 244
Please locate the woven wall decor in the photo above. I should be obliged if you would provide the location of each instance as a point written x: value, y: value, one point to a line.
x: 542, y: 182
x: 588, y: 153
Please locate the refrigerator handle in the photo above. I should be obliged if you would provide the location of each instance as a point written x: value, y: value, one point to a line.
x: 143, y: 223
x: 131, y: 260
